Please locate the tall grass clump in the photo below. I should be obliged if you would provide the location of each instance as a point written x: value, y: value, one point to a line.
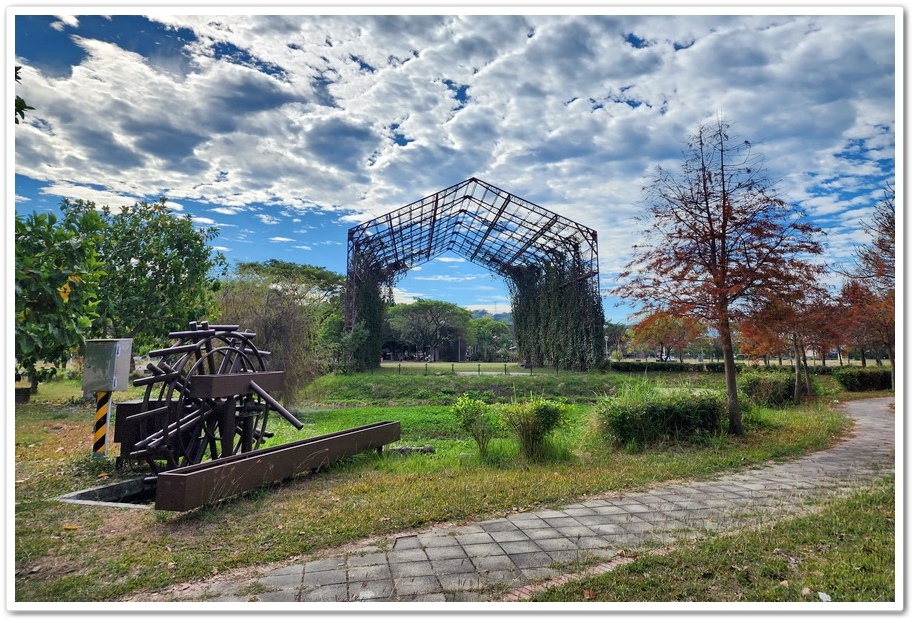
x: 476, y: 418
x: 767, y: 388
x: 531, y: 422
x: 641, y: 415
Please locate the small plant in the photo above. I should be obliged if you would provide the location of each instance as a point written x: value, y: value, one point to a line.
x: 531, y: 422
x: 475, y: 418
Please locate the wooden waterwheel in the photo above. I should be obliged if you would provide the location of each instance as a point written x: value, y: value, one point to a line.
x: 207, y: 397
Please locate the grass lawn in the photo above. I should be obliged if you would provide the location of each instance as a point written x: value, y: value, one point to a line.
x: 78, y: 553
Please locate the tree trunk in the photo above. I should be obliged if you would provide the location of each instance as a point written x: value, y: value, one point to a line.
x: 735, y: 427
x: 891, y: 358
x: 809, y: 389
x: 798, y: 377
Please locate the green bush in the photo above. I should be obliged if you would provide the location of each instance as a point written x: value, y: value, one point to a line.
x: 642, y: 416
x: 768, y: 388
x: 864, y: 379
x: 476, y: 419
x: 531, y: 422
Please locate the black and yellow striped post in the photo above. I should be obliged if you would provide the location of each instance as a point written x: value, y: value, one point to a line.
x: 102, y: 410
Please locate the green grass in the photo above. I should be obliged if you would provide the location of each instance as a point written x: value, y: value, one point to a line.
x: 66, y: 552
x: 440, y: 386
x: 844, y: 552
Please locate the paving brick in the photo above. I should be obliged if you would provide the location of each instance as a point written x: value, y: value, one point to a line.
x: 491, y: 563
x: 410, y: 569
x: 374, y: 590
x: 530, y: 560
x: 446, y: 552
x: 407, y: 555
x: 452, y: 566
x: 508, y: 536
x: 483, y: 549
x: 416, y: 585
x: 324, y: 578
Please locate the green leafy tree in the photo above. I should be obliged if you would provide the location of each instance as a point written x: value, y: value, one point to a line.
x: 718, y: 240
x: 57, y: 275
x: 291, y: 307
x: 616, y: 337
x: 427, y: 325
x: 160, y: 271
x: 314, y: 282
x: 487, y: 337
x: 21, y: 106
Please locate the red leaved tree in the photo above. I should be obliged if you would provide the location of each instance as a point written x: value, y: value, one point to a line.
x: 717, y: 239
x: 871, y: 292
x: 667, y: 332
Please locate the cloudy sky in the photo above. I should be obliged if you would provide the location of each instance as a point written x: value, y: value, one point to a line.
x: 286, y: 130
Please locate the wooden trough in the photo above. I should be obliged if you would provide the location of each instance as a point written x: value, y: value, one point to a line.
x: 189, y: 487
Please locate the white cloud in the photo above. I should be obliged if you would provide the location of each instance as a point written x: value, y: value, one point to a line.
x: 349, y: 117
x: 449, y: 278
x: 63, y: 21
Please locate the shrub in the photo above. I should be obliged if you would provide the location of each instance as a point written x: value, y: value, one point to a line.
x: 475, y: 418
x: 768, y: 388
x: 531, y: 422
x: 864, y: 379
x: 642, y: 416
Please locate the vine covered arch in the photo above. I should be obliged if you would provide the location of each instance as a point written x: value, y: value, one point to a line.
x: 549, y: 262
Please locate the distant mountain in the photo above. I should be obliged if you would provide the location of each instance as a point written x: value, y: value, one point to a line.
x: 482, y: 313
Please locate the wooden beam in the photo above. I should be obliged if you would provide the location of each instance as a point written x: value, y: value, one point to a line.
x: 235, y: 384
x: 189, y: 487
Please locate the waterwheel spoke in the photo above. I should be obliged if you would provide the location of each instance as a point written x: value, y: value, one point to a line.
x: 176, y: 427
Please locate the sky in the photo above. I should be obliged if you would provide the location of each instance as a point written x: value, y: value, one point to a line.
x: 284, y: 130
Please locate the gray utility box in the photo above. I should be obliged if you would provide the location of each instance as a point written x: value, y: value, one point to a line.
x: 107, y: 365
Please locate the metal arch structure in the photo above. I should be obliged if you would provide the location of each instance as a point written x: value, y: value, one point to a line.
x: 476, y: 220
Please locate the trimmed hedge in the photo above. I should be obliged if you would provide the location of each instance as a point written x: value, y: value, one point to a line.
x: 768, y: 388
x: 712, y: 366
x: 667, y: 366
x: 864, y: 379
x: 648, y: 417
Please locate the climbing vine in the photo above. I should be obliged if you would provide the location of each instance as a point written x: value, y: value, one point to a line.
x: 363, y: 342
x: 558, y: 315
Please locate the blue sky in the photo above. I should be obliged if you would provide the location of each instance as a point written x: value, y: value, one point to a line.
x: 286, y: 130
